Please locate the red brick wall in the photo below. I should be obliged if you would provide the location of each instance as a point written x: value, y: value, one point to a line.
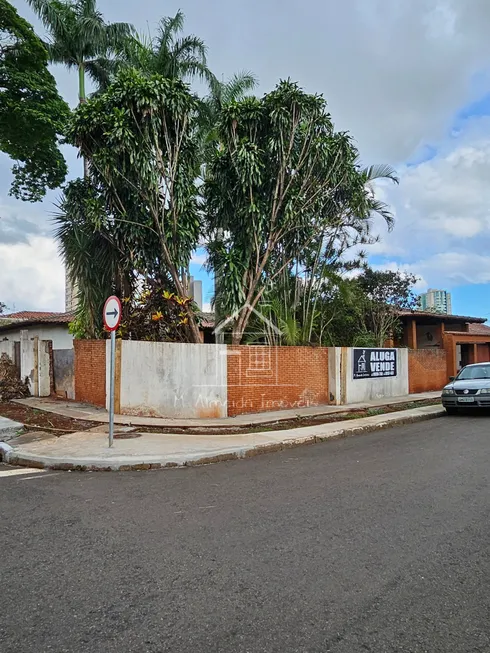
x: 427, y: 370
x: 262, y: 378
x: 90, y: 371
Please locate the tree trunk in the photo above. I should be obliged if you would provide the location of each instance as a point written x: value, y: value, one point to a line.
x: 240, y: 326
x: 81, y: 99
x: 81, y: 83
x: 193, y: 328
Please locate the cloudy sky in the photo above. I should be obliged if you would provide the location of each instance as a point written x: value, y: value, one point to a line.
x: 409, y: 79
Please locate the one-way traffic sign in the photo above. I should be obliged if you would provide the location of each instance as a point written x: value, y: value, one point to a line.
x: 112, y: 313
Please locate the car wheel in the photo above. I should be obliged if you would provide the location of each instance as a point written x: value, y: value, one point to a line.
x: 452, y: 411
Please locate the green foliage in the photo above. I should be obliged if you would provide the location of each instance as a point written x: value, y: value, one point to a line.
x: 79, y: 38
x: 157, y: 315
x: 80, y: 331
x: 92, y: 256
x: 283, y: 191
x: 220, y: 95
x: 32, y: 114
x: 139, y: 138
x: 386, y: 294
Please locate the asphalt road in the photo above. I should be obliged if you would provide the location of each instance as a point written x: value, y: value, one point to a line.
x: 376, y: 543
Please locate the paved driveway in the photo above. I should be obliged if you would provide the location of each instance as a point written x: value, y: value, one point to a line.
x: 376, y: 543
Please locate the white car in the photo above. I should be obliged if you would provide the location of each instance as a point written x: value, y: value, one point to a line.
x: 470, y: 389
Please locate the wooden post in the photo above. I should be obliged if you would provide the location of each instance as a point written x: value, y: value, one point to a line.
x: 449, y: 345
x: 117, y: 380
x: 343, y: 375
x: 475, y: 353
x: 442, y: 331
x: 412, y: 335
x: 35, y: 365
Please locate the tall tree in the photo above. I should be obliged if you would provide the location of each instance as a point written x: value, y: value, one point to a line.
x: 282, y: 190
x: 140, y: 139
x: 32, y: 114
x: 79, y: 38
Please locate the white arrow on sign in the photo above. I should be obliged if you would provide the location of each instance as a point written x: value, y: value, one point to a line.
x: 112, y: 313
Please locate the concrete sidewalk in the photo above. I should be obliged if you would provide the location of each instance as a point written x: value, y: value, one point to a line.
x: 89, y: 451
x: 77, y: 410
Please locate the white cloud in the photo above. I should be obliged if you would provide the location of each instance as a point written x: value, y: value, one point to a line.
x: 442, y: 210
x: 32, y: 275
x: 446, y: 270
x: 198, y: 258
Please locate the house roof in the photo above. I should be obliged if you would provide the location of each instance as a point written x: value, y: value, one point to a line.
x: 27, y: 318
x: 479, y: 329
x: 442, y: 317
x: 207, y: 320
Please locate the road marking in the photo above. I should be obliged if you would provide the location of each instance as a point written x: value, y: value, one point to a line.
x: 17, y: 472
x: 37, y: 478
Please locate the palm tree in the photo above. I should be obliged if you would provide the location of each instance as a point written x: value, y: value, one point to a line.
x: 79, y: 38
x: 371, y: 174
x: 169, y: 53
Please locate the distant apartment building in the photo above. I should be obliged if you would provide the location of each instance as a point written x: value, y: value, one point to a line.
x: 438, y: 301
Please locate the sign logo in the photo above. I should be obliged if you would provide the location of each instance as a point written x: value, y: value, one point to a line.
x: 374, y: 363
x: 466, y: 392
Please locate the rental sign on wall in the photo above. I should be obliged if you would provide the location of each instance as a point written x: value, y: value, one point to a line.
x: 374, y: 363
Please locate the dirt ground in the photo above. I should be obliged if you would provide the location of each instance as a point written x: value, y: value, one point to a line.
x: 32, y: 417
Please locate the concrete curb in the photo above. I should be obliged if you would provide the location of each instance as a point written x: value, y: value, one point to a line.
x: 5, y: 451
x: 9, y: 429
x: 148, y: 461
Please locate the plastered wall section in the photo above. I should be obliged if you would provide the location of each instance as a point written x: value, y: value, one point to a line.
x: 165, y: 379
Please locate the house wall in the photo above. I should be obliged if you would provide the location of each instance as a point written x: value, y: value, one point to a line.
x: 90, y: 372
x: 7, y: 347
x: 483, y: 353
x: 57, y: 333
x: 171, y: 379
x: 262, y: 378
x: 427, y: 370
x: 452, y: 345
x: 429, y: 336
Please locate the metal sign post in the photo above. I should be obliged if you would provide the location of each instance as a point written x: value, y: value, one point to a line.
x: 112, y: 319
x: 111, y: 388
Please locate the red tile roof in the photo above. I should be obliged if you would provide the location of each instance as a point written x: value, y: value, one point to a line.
x: 207, y: 320
x: 479, y: 329
x: 442, y: 317
x: 40, y: 317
